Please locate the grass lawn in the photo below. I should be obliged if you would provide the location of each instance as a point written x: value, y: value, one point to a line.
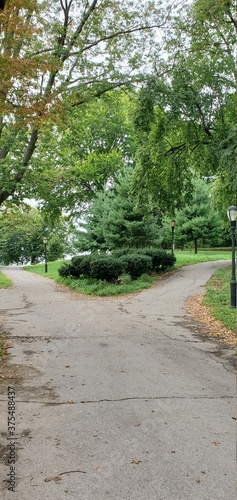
x: 187, y: 257
x: 4, y: 281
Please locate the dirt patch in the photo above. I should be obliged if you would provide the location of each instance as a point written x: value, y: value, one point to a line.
x: 11, y: 373
x: 213, y: 328
x: 20, y: 377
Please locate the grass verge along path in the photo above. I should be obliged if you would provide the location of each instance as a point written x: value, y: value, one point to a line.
x: 217, y: 298
x: 4, y: 281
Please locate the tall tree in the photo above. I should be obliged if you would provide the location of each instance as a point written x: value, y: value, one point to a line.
x: 190, y: 118
x: 198, y: 222
x: 74, y: 163
x: 56, y: 56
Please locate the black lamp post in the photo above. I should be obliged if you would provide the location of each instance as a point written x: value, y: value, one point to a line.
x: 45, y: 255
x: 172, y: 229
x: 232, y: 214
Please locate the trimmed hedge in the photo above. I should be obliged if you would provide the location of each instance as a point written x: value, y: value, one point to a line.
x: 106, y: 268
x: 134, y: 262
x: 160, y: 258
x: 79, y: 266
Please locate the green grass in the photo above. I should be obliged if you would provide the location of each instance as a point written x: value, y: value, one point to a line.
x: 187, y: 257
x: 217, y: 297
x: 4, y: 281
x: 53, y: 268
x: 100, y: 288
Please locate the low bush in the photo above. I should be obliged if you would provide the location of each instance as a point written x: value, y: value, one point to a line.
x: 160, y: 258
x: 106, y: 268
x: 65, y: 270
x: 82, y: 265
x: 136, y: 264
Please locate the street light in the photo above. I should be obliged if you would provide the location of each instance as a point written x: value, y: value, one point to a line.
x: 172, y: 229
x: 45, y: 254
x: 232, y: 214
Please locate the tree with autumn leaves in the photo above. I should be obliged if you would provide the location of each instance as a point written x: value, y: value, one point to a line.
x: 54, y: 58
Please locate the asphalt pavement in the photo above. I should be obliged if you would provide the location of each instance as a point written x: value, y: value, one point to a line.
x: 114, y: 398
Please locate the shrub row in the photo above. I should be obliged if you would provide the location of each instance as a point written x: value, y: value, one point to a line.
x: 134, y: 262
x: 160, y: 258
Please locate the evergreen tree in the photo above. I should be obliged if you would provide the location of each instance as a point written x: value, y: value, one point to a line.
x: 115, y: 220
x: 198, y: 222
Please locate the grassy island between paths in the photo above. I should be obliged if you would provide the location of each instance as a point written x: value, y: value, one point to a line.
x: 217, y: 295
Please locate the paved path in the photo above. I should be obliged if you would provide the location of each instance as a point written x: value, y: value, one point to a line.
x: 116, y: 399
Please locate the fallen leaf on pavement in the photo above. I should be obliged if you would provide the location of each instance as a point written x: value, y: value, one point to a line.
x: 135, y: 461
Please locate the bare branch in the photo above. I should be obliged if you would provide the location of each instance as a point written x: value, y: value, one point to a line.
x: 229, y: 13
x: 115, y: 35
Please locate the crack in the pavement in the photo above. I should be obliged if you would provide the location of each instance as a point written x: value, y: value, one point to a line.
x: 135, y: 398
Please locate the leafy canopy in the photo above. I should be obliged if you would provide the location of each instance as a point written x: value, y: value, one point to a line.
x: 55, y: 57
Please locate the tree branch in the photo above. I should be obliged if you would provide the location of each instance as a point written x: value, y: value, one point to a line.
x: 80, y: 27
x: 30, y: 148
x: 99, y: 93
x: 229, y: 13
x: 114, y: 35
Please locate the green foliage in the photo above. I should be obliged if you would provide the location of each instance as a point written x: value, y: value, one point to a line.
x: 115, y: 220
x: 96, y: 144
x: 56, y: 57
x: 106, y: 268
x: 56, y: 247
x: 136, y: 264
x: 22, y: 230
x: 190, y: 117
x: 21, y: 236
x: 132, y: 262
x: 198, y: 221
x: 100, y: 267
x: 160, y: 259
